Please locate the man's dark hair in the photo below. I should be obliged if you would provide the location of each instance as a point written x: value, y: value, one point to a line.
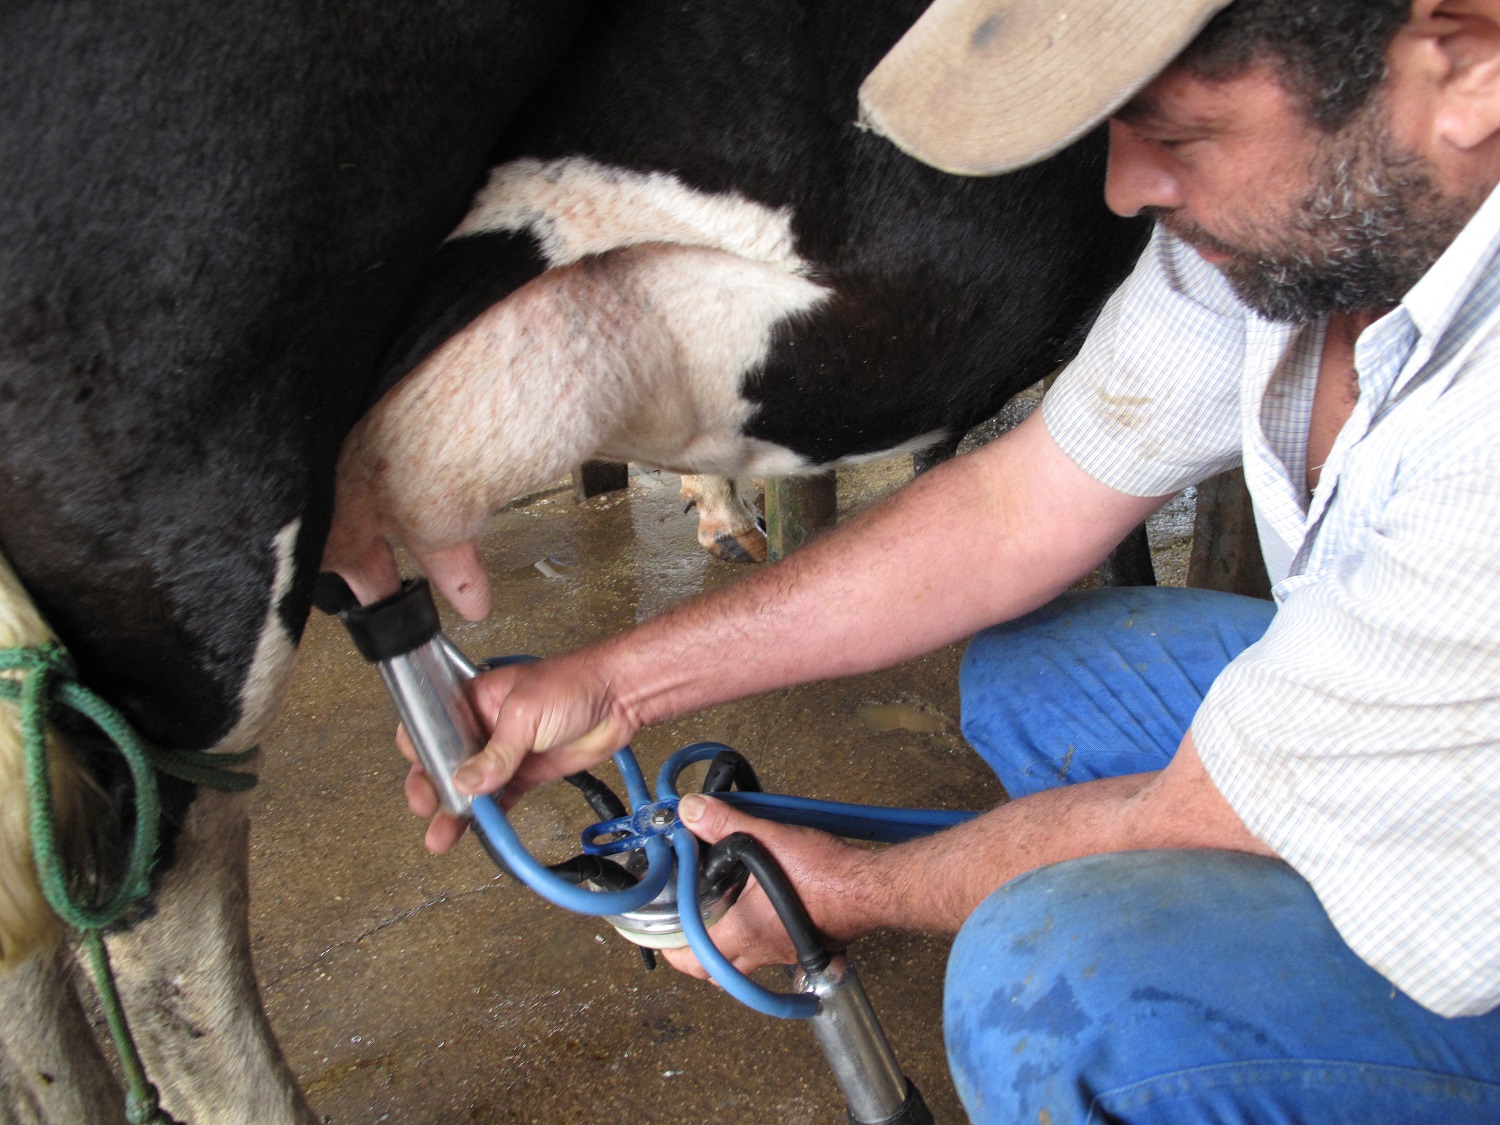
x: 1330, y: 54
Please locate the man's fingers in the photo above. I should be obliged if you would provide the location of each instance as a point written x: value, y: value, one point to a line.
x: 542, y: 737
x: 500, y: 761
x: 489, y: 769
x: 444, y: 831
x: 712, y: 820
x: 421, y: 798
x: 404, y: 744
x: 749, y: 936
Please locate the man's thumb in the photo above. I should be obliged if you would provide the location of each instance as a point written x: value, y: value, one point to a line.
x: 709, y: 820
x: 488, y: 770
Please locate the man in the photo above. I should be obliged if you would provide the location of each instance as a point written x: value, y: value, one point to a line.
x: 1251, y: 868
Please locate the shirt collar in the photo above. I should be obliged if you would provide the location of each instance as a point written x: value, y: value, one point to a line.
x: 1434, y: 301
x: 1437, y: 315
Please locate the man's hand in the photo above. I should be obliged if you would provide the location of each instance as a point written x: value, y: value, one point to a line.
x: 546, y: 720
x: 826, y: 873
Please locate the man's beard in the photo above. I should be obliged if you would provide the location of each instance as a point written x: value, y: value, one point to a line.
x: 1373, y: 223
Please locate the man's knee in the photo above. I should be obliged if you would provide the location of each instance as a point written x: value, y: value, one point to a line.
x: 1100, y: 682
x: 1019, y: 1041
x: 1082, y: 978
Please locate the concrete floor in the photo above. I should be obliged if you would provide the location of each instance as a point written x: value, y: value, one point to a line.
x: 412, y: 988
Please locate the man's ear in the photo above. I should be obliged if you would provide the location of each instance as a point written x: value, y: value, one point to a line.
x: 1457, y: 45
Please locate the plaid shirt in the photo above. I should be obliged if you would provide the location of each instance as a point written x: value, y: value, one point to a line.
x: 1360, y: 738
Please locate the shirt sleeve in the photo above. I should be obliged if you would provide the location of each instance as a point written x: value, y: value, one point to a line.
x: 1152, y: 402
x: 1360, y: 738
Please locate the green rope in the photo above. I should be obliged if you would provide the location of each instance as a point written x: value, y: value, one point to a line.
x: 197, y: 767
x: 49, y: 683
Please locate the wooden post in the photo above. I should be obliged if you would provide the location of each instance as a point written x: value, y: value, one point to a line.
x: 1226, y: 547
x: 797, y: 508
x: 595, y: 478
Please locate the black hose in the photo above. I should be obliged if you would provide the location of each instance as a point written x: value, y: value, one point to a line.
x: 601, y: 797
x: 603, y: 873
x: 494, y: 853
x: 730, y: 768
x: 740, y: 847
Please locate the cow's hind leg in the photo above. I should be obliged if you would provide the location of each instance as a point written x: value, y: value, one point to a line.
x: 51, y: 1070
x: 189, y: 989
x: 728, y: 527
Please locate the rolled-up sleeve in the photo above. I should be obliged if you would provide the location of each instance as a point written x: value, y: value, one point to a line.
x: 1152, y: 402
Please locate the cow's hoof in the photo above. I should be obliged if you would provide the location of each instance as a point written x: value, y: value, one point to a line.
x: 747, y: 547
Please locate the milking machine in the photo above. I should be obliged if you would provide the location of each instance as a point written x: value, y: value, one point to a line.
x: 625, y: 872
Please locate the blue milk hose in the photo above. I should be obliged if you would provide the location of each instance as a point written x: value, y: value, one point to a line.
x: 865, y: 822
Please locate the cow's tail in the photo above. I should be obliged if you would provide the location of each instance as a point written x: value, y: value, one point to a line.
x: 26, y: 921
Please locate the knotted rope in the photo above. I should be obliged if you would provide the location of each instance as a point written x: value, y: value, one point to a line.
x: 49, y: 682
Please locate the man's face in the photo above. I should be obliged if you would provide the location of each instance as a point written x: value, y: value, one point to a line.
x: 1301, y: 222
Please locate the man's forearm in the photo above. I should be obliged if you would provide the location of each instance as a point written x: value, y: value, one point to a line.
x: 936, y: 883
x: 977, y: 541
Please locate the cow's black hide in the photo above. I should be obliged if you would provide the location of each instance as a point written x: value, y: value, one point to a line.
x: 211, y: 211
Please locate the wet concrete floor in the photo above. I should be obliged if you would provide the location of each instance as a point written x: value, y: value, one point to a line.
x: 414, y: 988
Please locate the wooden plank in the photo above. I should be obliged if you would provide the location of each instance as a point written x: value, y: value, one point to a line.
x: 1226, y: 547
x: 797, y: 508
x: 595, y: 478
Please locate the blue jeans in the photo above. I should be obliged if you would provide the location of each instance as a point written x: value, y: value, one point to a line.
x: 1168, y: 986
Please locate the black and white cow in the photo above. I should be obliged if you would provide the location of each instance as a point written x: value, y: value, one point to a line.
x: 693, y: 256
x: 214, y: 215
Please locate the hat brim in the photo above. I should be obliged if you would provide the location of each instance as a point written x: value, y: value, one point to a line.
x: 979, y: 87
